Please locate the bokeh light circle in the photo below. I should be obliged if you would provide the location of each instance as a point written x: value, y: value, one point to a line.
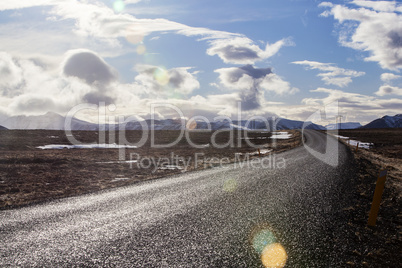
x: 191, y: 125
x: 262, y: 239
x: 230, y: 185
x: 161, y: 76
x: 141, y: 49
x: 274, y: 256
x: 264, y: 242
x: 118, y: 6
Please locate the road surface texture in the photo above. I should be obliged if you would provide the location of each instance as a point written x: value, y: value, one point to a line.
x: 219, y: 217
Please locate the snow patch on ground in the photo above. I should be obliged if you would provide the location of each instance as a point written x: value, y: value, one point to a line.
x: 84, y: 146
x: 171, y: 167
x: 120, y: 179
x: 281, y: 135
x: 118, y: 162
x: 365, y: 145
x: 262, y: 152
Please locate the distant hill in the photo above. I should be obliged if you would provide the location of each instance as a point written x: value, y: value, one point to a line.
x: 3, y: 128
x: 51, y: 121
x: 54, y: 121
x: 346, y: 125
x: 386, y: 122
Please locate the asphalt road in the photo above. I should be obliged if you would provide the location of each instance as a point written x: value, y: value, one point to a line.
x: 220, y: 217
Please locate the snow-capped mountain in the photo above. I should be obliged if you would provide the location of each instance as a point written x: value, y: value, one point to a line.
x: 386, y: 122
x: 52, y: 121
x: 346, y: 125
x: 55, y: 121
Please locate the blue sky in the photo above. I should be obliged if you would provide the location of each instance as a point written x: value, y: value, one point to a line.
x: 287, y: 58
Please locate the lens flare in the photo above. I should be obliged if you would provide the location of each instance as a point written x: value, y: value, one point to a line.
x: 161, y: 76
x: 134, y: 35
x: 118, y: 6
x: 230, y: 185
x: 141, y: 49
x: 264, y: 242
x: 192, y: 124
x: 262, y: 239
x: 274, y: 256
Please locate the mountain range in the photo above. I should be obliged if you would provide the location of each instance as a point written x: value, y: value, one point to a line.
x: 54, y: 121
x: 386, y: 122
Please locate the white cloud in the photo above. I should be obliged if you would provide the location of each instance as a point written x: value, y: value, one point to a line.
x: 274, y: 83
x: 331, y: 74
x: 387, y: 77
x: 94, y: 20
x: 252, y: 82
x: 389, y: 90
x: 158, y: 81
x: 241, y: 50
x: 11, y: 5
x: 11, y: 74
x: 376, y: 28
x: 383, y: 6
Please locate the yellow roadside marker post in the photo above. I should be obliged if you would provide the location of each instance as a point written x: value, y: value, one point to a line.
x: 259, y: 153
x: 379, y: 189
x: 357, y: 146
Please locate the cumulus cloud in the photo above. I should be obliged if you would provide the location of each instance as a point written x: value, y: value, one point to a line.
x: 89, y: 67
x: 357, y: 107
x: 94, y: 71
x: 375, y: 27
x: 159, y: 81
x: 387, y: 77
x: 39, y: 88
x: 242, y: 50
x: 33, y: 103
x: 11, y: 74
x: 331, y: 74
x: 251, y: 83
x: 389, y: 90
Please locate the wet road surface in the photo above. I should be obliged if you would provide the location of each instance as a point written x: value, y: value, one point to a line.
x: 220, y: 217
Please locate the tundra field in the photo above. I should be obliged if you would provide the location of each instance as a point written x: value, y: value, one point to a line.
x: 30, y: 175
x: 380, y: 245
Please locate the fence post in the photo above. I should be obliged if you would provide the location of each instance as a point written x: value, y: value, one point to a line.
x: 379, y: 189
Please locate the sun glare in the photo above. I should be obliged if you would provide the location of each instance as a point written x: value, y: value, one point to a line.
x: 274, y: 256
x: 118, y: 6
x: 264, y: 243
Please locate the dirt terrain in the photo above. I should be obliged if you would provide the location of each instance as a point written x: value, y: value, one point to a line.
x: 378, y: 246
x: 31, y: 175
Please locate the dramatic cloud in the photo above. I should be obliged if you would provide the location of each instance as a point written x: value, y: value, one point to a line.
x: 10, y: 73
x: 97, y: 21
x: 159, y: 81
x: 89, y: 67
x: 94, y: 71
x: 376, y: 27
x: 331, y: 74
x: 252, y: 82
x: 353, y: 106
x: 241, y: 50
